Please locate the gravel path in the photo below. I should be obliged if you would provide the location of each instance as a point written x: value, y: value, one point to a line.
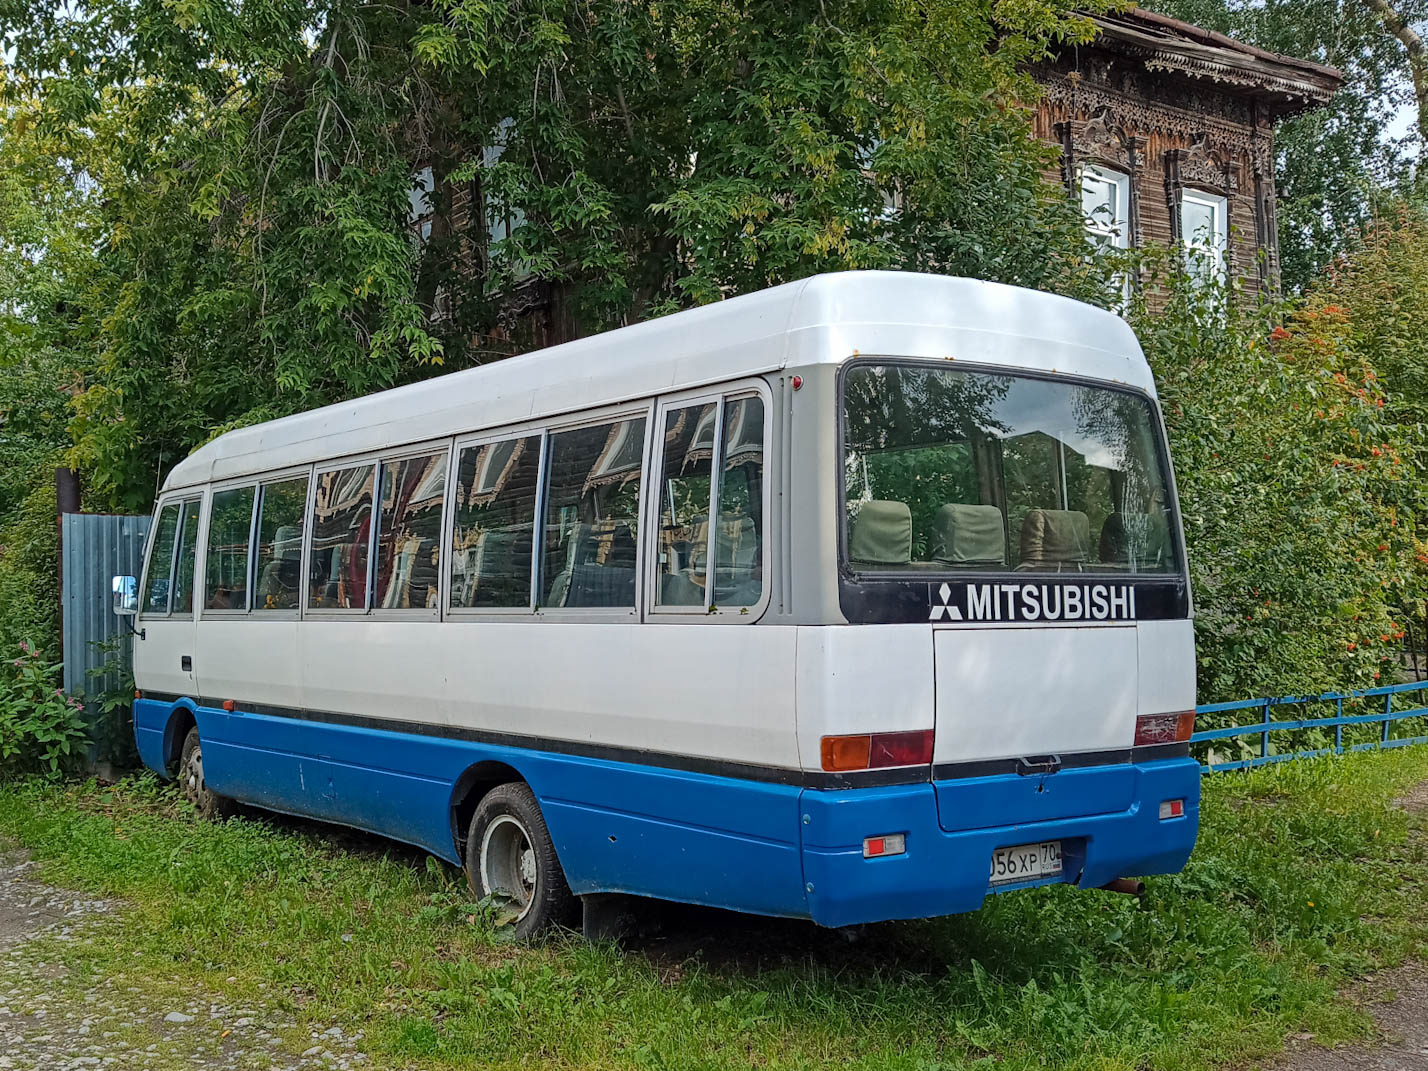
x: 48, y: 1022
x: 1399, y: 1001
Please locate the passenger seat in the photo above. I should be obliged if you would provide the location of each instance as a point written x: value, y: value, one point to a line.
x: 881, y: 535
x: 1056, y: 540
x: 968, y: 535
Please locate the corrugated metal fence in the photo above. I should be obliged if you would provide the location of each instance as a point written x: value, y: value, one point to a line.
x: 96, y: 548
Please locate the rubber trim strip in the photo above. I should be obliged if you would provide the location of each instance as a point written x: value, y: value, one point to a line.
x: 952, y: 771
x: 905, y: 775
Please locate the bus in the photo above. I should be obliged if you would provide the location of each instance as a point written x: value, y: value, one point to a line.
x: 858, y: 598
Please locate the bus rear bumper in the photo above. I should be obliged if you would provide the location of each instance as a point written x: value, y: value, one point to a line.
x: 944, y: 873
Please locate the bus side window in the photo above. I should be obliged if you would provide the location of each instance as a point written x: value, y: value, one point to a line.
x: 738, y: 568
x: 341, y: 538
x: 230, y: 522
x: 592, y: 515
x: 494, y: 524
x: 279, y: 552
x: 409, y: 532
x: 184, y: 563
x: 684, y: 505
x: 161, y: 561
x: 688, y: 498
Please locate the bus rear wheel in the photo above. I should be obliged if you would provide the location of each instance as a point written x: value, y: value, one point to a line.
x: 511, y: 860
x: 206, y: 802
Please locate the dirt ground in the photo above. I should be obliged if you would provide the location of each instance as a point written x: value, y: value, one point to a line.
x: 46, y: 1026
x: 1399, y: 1002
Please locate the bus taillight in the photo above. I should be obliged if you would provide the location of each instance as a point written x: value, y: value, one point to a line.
x: 875, y: 751
x: 1173, y: 728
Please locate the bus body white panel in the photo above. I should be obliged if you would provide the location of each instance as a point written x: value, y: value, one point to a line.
x: 862, y: 680
x: 247, y: 660
x: 1011, y: 692
x: 1167, y: 665
x: 169, y: 639
x: 716, y: 692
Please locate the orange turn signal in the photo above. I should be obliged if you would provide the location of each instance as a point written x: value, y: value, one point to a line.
x: 1172, y: 728
x: 875, y: 751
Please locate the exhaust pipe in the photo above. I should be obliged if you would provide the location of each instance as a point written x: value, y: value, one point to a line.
x: 1129, y: 886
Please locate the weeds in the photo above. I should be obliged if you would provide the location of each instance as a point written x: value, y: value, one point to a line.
x: 1306, y: 876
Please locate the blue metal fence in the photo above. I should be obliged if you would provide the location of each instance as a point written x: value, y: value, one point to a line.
x: 1267, y: 724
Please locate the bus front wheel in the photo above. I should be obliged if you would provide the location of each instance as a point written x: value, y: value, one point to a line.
x: 511, y: 860
x: 206, y: 802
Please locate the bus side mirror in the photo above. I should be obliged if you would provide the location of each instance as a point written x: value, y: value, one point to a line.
x: 126, y: 596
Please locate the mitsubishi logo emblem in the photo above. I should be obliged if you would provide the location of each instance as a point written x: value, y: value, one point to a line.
x: 945, y: 607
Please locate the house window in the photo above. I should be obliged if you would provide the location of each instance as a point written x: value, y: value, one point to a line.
x: 420, y: 209
x: 502, y: 219
x: 1204, y: 232
x: 1105, y: 202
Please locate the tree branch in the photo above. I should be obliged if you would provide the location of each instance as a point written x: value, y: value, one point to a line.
x: 1397, y: 25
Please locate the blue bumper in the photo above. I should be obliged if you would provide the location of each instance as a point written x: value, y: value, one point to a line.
x: 947, y: 872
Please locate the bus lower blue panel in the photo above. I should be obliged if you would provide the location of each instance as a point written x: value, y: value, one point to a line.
x: 617, y: 827
x: 943, y: 872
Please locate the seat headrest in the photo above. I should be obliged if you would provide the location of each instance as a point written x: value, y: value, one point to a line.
x: 969, y: 535
x: 1149, y: 532
x: 881, y: 533
x: 287, y: 543
x: 1055, y: 537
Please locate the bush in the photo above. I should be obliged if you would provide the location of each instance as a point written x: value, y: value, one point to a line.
x: 1297, y: 485
x: 40, y: 728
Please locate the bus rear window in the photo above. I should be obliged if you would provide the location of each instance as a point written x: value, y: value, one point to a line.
x: 947, y: 470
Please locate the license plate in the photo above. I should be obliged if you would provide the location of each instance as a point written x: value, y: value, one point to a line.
x: 1026, y: 862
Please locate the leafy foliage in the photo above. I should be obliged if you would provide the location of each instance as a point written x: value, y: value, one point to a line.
x: 254, y: 174
x: 40, y: 727
x: 1297, y: 483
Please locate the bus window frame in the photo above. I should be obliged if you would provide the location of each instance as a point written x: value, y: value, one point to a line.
x: 260, y: 482
x: 722, y: 394
x: 179, y: 498
x: 611, y: 414
x: 845, y: 567
x: 405, y: 613
x: 212, y: 491
x: 175, y: 499
x: 473, y: 442
x: 375, y: 458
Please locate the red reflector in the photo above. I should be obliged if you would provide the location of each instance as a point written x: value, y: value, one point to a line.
x: 228, y: 705
x: 887, y: 844
x: 138, y: 694
x: 1172, y: 809
x: 1172, y: 728
x: 876, y: 751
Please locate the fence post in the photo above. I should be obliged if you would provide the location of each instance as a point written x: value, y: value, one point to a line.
x: 1387, y: 712
x: 1339, y: 729
x: 1264, y: 736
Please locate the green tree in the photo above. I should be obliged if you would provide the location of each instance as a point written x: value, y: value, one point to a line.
x: 1298, y: 479
x: 254, y: 165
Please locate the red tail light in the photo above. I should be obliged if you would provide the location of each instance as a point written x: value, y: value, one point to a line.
x: 876, y: 751
x: 1173, y: 728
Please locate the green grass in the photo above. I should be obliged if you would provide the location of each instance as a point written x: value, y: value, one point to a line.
x: 1306, y: 876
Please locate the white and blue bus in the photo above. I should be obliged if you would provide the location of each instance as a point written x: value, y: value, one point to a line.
x: 858, y: 598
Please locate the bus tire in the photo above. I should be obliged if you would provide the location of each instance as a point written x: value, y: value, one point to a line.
x: 206, y: 802
x: 511, y: 859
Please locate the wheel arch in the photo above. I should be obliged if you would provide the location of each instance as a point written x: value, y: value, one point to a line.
x: 182, y: 718
x: 473, y: 784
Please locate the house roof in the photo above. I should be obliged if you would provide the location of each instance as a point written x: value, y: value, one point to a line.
x: 1283, y: 84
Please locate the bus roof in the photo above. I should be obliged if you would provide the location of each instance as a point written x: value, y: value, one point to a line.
x: 825, y: 319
